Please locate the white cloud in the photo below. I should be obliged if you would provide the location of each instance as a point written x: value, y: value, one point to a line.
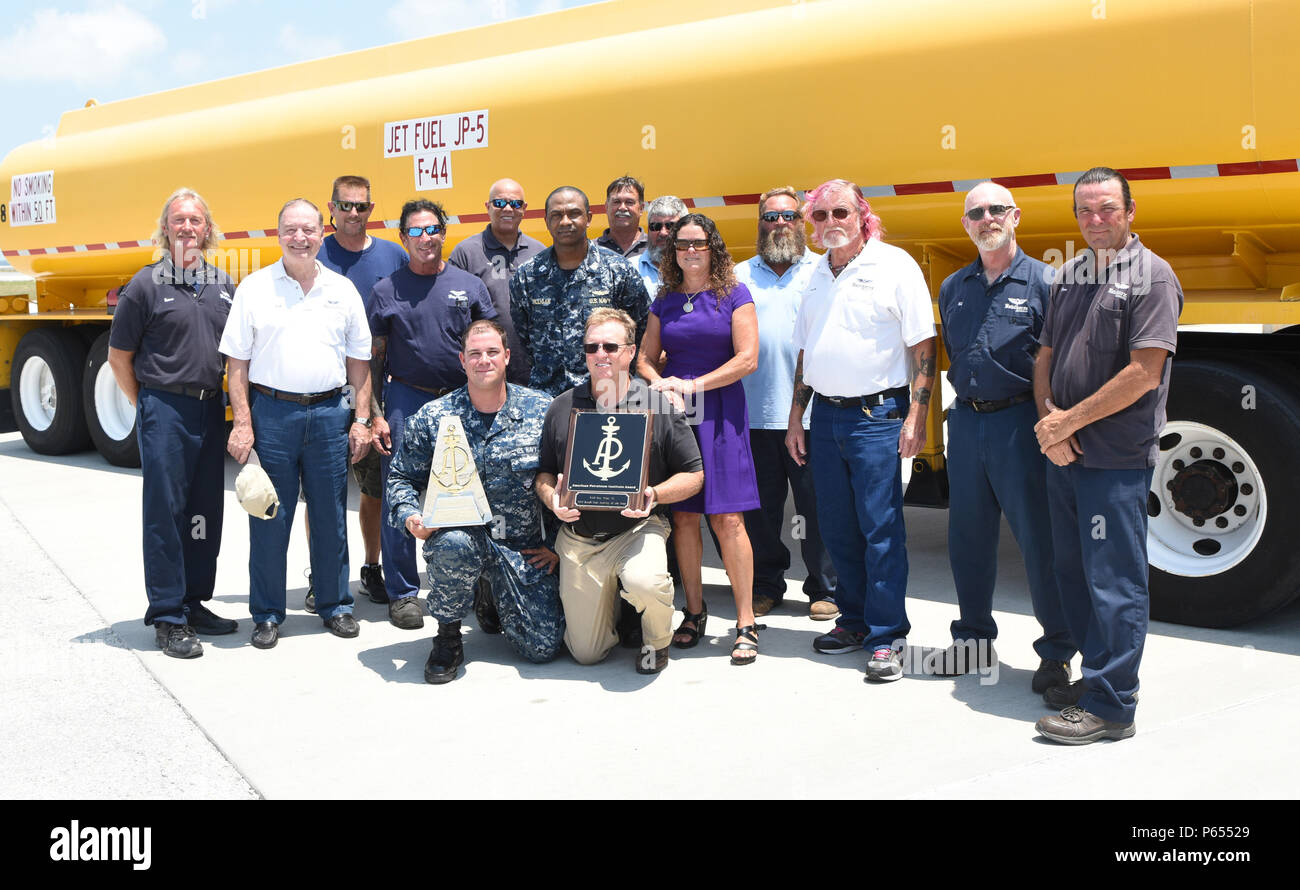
x: 422, y: 18
x: 82, y: 48
x: 297, y: 46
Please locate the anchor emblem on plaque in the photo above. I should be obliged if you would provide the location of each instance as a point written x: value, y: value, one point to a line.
x: 457, y: 463
x: 607, y: 452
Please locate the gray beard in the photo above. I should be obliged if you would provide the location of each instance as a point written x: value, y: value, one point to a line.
x: 781, y: 251
x: 656, y: 254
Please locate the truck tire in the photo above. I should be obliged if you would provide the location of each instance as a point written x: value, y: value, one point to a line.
x: 1222, y: 532
x: 45, y: 386
x: 110, y: 418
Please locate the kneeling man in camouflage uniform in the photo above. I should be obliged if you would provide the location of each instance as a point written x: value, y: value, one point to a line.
x: 503, y: 428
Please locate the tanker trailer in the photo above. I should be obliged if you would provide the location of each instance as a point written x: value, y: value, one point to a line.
x: 916, y: 102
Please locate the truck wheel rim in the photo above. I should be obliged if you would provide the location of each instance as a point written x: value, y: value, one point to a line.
x: 38, y: 394
x: 1203, y: 474
x: 116, y: 415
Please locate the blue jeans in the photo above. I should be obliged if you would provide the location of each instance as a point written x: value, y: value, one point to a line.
x: 1099, y: 537
x: 859, y: 481
x: 182, y: 462
x: 307, y: 443
x: 401, y: 572
x: 777, y: 472
x: 996, y: 467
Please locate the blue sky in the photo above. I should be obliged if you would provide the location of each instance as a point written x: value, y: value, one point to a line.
x: 58, y: 55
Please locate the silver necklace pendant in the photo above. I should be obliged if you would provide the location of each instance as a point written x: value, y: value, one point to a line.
x: 689, y: 307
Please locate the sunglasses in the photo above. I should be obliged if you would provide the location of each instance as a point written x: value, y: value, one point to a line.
x: 416, y: 231
x: 358, y: 206
x: 512, y: 203
x: 771, y: 216
x: 660, y: 226
x: 975, y: 214
x: 838, y: 213
x: 611, y: 348
x: 688, y: 243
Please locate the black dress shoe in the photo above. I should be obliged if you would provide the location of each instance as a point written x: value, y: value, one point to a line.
x: 447, y: 656
x: 628, y: 626
x: 1049, y: 674
x: 343, y: 625
x: 204, y: 622
x: 266, y: 634
x: 1060, y: 697
x: 309, y: 601
x: 177, y: 640
x: 485, y: 608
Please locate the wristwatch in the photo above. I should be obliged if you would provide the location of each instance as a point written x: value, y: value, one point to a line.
x: 364, y: 421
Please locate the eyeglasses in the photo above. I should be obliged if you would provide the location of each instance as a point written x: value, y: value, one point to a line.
x: 838, y: 213
x: 660, y: 226
x: 688, y: 243
x: 611, y: 348
x: 416, y: 231
x: 358, y: 206
x: 771, y: 216
x: 975, y: 214
x: 512, y: 203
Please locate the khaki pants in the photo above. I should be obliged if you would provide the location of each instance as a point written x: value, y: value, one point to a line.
x: 589, y: 576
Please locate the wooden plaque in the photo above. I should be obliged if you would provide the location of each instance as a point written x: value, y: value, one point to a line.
x: 607, y: 460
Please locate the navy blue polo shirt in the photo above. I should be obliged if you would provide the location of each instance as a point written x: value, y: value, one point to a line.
x: 172, y: 320
x: 364, y: 268
x: 423, y: 317
x: 991, y: 330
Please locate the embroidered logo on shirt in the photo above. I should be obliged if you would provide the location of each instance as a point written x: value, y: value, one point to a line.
x: 225, y: 296
x: 541, y: 301
x: 458, y: 296
x: 1117, y: 294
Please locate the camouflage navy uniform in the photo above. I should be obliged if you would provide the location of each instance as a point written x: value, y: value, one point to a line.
x: 505, y: 456
x: 550, y: 306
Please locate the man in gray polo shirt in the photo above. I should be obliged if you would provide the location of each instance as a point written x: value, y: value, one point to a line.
x: 1100, y: 382
x: 494, y: 254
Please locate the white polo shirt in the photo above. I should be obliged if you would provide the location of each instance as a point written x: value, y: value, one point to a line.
x: 293, y: 341
x: 855, y: 330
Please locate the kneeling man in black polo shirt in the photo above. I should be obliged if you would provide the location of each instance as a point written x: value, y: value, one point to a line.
x: 597, y: 549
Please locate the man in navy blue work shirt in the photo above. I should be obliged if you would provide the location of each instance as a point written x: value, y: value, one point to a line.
x: 163, y: 352
x: 417, y: 316
x: 992, y: 313
x: 364, y: 261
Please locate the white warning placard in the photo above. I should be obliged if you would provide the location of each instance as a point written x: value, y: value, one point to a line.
x: 441, y: 132
x: 31, y: 199
x: 432, y: 171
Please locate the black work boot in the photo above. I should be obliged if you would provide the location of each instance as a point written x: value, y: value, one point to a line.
x: 485, y: 608
x: 448, y: 654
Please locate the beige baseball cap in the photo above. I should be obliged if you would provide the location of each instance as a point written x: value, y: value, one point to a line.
x: 255, y: 492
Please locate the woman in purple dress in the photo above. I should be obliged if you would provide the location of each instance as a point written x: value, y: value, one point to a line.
x: 704, y: 321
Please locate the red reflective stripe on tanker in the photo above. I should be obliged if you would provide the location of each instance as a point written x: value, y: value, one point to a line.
x: 923, y: 188
x: 1029, y: 181
x: 1141, y: 173
x: 1246, y: 168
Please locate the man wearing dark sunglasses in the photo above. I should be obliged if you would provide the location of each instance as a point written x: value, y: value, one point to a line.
x: 494, y: 254
x: 865, y: 330
x: 416, y: 318
x: 992, y: 312
x: 660, y: 216
x: 624, y: 199
x: 777, y: 278
x: 364, y: 261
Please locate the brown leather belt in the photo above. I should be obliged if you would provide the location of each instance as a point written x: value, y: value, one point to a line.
x: 988, y: 406
x: 431, y: 391
x: 194, y: 392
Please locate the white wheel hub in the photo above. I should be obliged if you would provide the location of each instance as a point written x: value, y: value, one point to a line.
x: 38, y: 393
x: 1213, y: 506
x: 116, y: 415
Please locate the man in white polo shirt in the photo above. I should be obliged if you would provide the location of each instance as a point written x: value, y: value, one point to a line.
x: 864, y: 331
x: 297, y: 333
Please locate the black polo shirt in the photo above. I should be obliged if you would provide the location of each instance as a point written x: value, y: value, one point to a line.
x: 673, y: 448
x: 172, y: 320
x: 1094, y: 322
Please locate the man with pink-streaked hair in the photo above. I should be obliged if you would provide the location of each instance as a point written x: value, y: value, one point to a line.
x: 866, y: 340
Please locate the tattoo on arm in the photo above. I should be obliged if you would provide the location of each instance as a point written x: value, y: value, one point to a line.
x: 922, y: 396
x: 925, y: 367
x: 378, y: 352
x: 802, y: 391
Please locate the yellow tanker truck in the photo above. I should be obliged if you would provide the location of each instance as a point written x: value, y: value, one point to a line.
x: 716, y: 102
